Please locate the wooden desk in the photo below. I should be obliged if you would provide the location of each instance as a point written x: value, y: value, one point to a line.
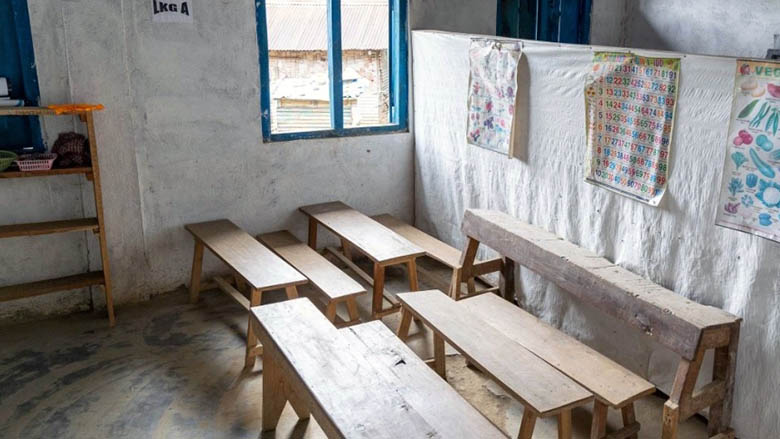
x: 380, y: 244
x: 357, y: 382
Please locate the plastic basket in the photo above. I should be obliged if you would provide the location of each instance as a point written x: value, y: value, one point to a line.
x: 35, y: 162
x: 6, y: 158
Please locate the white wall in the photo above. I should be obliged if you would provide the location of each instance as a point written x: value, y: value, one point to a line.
x: 742, y: 28
x: 179, y: 142
x: 676, y: 245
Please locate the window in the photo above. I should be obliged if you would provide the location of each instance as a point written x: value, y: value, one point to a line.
x: 563, y: 21
x: 332, y: 67
x: 18, y: 68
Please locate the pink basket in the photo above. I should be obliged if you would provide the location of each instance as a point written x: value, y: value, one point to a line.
x: 35, y: 162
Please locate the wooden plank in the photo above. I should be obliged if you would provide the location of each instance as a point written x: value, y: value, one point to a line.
x: 13, y: 292
x: 51, y: 172
x: 435, y: 400
x: 348, y: 394
x: 441, y: 251
x: 331, y: 281
x: 261, y: 268
x: 528, y: 378
x: 609, y: 381
x: 376, y: 241
x: 36, y: 111
x: 671, y: 319
x: 228, y: 289
x: 48, y: 227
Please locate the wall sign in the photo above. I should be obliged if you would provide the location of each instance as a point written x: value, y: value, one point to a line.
x: 629, y: 112
x: 750, y: 190
x: 171, y: 11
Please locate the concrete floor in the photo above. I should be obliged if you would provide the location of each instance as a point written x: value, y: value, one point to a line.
x: 174, y: 370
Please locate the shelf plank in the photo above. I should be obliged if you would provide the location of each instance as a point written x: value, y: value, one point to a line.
x: 36, y: 111
x: 13, y: 292
x: 45, y: 228
x: 65, y: 171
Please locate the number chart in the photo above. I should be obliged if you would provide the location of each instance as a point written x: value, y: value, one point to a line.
x: 629, y: 111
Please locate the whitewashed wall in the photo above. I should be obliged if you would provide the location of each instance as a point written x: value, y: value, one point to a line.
x: 179, y: 142
x: 676, y: 245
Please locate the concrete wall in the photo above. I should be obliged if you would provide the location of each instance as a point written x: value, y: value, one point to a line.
x: 468, y: 16
x: 179, y: 142
x: 729, y: 28
x: 676, y: 244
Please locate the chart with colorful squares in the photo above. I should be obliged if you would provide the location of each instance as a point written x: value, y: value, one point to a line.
x: 630, y: 103
x: 750, y: 190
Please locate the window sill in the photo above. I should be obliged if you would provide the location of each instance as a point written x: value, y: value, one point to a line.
x: 348, y: 132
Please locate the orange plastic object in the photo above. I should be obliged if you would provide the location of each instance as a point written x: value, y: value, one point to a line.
x: 75, y: 108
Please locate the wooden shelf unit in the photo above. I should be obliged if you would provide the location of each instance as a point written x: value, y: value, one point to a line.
x: 96, y: 225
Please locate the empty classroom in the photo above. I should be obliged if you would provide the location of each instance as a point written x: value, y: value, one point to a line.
x: 305, y: 219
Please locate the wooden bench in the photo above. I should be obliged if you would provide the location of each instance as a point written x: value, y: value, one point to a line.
x: 380, y: 244
x: 252, y: 264
x: 541, y: 388
x: 685, y: 327
x: 445, y: 254
x: 357, y: 382
x: 335, y: 285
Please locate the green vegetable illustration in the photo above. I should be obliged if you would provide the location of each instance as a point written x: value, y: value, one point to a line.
x: 756, y: 121
x: 761, y: 165
x: 748, y: 109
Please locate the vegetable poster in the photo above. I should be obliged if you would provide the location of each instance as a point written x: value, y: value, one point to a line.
x: 492, y: 94
x: 629, y: 113
x: 750, y: 190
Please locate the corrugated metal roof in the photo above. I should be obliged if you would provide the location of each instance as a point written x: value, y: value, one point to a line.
x: 302, y: 25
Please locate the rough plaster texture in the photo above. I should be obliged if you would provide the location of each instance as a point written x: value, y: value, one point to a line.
x: 714, y: 27
x: 676, y: 245
x: 179, y: 142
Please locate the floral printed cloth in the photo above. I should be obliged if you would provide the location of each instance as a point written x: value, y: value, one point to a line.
x: 492, y: 93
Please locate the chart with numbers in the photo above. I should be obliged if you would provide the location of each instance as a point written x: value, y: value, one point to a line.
x: 629, y: 104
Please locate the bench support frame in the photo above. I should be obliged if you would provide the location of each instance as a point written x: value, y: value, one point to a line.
x: 684, y: 401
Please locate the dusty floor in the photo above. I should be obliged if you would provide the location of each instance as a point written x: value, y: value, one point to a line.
x: 174, y: 370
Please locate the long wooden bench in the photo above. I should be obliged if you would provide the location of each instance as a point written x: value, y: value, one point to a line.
x: 335, y: 285
x: 357, y: 382
x: 445, y: 254
x: 251, y: 263
x: 683, y: 326
x: 542, y: 389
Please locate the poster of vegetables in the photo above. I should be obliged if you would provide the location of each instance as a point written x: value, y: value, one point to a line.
x: 630, y: 102
x: 492, y: 94
x: 750, y: 190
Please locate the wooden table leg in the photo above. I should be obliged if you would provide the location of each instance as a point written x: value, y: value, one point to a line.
x: 439, y: 361
x: 291, y: 291
x: 197, y: 266
x: 274, y: 395
x: 598, y: 427
x: 629, y: 417
x: 312, y: 233
x: 251, y: 337
x: 528, y: 424
x: 406, y: 322
x: 379, y: 288
x: 564, y: 424
x: 412, y: 266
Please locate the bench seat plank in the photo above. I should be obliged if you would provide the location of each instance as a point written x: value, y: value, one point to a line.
x: 673, y: 320
x: 609, y: 381
x: 333, y: 282
x: 434, y: 248
x: 376, y: 241
x: 350, y: 393
x: 425, y: 391
x: 528, y: 378
x: 258, y: 265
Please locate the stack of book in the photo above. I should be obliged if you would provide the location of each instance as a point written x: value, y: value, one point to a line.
x: 5, y: 97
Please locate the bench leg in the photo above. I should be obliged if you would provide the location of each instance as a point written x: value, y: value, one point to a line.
x: 345, y: 247
x: 406, y: 322
x: 629, y: 418
x: 291, y: 291
x: 301, y: 409
x: 379, y: 288
x: 274, y: 393
x: 455, y: 284
x: 412, y: 268
x: 528, y: 424
x: 352, y: 309
x: 197, y: 266
x: 439, y: 361
x: 671, y: 419
x: 330, y: 311
x: 724, y: 369
x: 312, y: 233
x: 251, y: 337
x: 598, y: 427
x: 564, y: 424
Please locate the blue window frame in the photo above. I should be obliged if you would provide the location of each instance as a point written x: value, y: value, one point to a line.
x: 563, y: 21
x: 398, y: 78
x: 17, y: 65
